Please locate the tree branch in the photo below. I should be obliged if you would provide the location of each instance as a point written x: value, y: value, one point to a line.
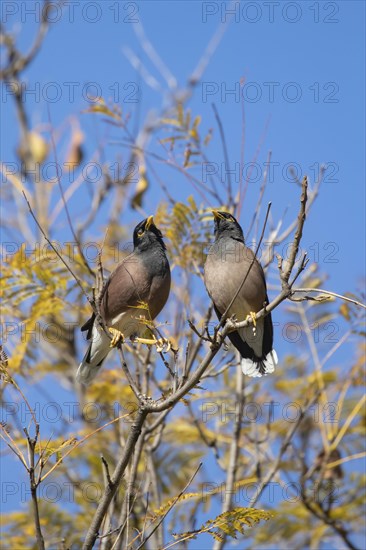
x: 234, y: 450
x: 116, y: 478
x: 170, y: 508
x: 327, y: 294
x: 32, y: 442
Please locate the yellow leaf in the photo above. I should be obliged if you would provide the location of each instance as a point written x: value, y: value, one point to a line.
x: 170, y: 121
x: 141, y: 188
x: 38, y: 147
x: 101, y: 107
x: 344, y: 311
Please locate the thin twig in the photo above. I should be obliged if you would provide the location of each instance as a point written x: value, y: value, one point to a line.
x: 106, y: 468
x: 154, y: 56
x: 127, y: 373
x: 128, y: 501
x: 226, y: 154
x: 326, y: 294
x: 91, y: 302
x: 211, y: 47
x: 348, y: 422
x: 32, y: 442
x: 19, y: 62
x: 325, y: 428
x: 85, y: 438
x: 324, y: 517
x: 58, y: 177
x: 260, y: 197
x: 285, y: 443
x: 234, y: 450
x: 116, y: 478
x: 241, y: 195
x: 170, y: 507
x: 287, y: 270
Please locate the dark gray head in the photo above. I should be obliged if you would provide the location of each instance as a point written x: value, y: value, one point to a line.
x: 227, y: 226
x: 146, y: 234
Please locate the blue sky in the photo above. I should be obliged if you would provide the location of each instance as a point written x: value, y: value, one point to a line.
x: 304, y: 82
x: 304, y: 70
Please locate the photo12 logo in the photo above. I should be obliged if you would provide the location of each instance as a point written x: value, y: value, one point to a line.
x: 71, y: 92
x: 270, y: 12
x: 254, y: 171
x: 69, y: 11
x: 270, y: 92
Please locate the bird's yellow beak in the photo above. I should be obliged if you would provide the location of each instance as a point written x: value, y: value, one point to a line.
x: 149, y: 223
x: 217, y: 215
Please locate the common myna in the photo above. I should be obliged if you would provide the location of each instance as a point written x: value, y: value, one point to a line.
x: 227, y: 264
x: 134, y: 294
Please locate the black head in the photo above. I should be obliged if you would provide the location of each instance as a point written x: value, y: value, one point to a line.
x: 226, y: 225
x: 146, y: 234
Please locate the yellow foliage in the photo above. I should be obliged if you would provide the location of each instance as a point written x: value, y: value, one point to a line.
x: 230, y: 523
x: 100, y: 107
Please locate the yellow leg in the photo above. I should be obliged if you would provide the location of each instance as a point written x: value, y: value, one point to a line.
x: 160, y: 344
x: 252, y: 316
x: 117, y: 337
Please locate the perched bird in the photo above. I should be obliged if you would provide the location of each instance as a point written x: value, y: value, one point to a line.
x: 136, y: 292
x: 227, y: 264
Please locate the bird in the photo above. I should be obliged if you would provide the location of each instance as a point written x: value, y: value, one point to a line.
x: 134, y: 294
x: 227, y: 265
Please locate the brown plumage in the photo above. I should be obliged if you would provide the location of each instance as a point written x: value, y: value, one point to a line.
x: 227, y: 264
x: 138, y: 287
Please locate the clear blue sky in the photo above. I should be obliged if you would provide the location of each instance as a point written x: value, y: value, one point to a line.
x: 304, y: 69
x: 303, y: 65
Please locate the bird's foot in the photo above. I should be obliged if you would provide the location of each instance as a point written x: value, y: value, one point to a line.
x: 160, y: 344
x: 117, y: 337
x: 252, y: 316
x: 163, y: 343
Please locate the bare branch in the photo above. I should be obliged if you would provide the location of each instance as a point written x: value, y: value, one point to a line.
x: 116, y: 478
x: 91, y: 302
x: 32, y: 442
x: 106, y: 468
x: 226, y: 154
x: 58, y: 177
x: 234, y: 450
x: 127, y: 373
x: 289, y: 264
x: 327, y: 295
x: 260, y: 197
x: 154, y: 56
x: 19, y: 62
x: 170, y: 507
x: 285, y: 443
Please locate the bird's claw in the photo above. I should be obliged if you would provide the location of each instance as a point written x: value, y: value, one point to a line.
x: 252, y: 316
x: 117, y: 337
x: 163, y: 343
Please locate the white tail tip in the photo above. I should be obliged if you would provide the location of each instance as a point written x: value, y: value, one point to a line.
x: 258, y: 369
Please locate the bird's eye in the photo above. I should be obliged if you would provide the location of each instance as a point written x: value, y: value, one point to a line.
x: 140, y: 232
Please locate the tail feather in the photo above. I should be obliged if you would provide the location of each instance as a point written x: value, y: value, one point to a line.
x: 256, y: 367
x: 93, y: 359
